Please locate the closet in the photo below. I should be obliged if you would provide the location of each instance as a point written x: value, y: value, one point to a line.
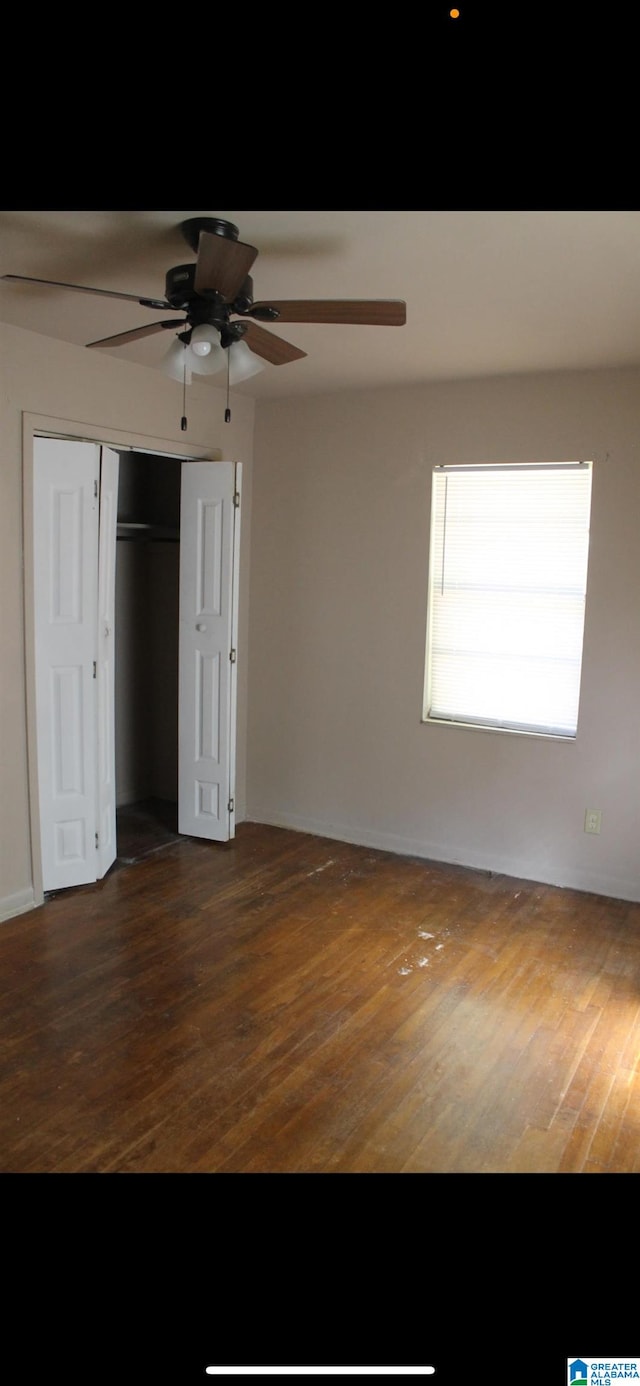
x: 135, y: 590
x: 147, y: 605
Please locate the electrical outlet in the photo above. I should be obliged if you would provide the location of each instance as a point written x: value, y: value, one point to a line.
x: 592, y: 819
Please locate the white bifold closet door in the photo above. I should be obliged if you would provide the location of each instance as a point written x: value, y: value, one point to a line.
x: 209, y: 540
x: 75, y: 523
x: 75, y: 499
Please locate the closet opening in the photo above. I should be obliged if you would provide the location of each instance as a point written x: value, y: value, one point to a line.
x: 147, y: 579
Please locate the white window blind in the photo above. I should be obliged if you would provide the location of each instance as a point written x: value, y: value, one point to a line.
x: 507, y: 587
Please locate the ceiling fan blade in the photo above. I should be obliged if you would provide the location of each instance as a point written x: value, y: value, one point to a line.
x: 383, y: 312
x: 270, y: 347
x: 121, y: 337
x: 81, y: 289
x: 222, y: 265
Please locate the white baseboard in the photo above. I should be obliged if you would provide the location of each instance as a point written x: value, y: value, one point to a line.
x: 18, y: 903
x: 573, y: 878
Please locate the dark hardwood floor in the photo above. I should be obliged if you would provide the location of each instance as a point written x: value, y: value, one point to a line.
x: 147, y: 826
x: 285, y: 1003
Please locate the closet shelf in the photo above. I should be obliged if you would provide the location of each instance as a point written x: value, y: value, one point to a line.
x: 133, y: 529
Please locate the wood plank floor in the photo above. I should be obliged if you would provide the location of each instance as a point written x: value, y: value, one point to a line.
x: 285, y: 1003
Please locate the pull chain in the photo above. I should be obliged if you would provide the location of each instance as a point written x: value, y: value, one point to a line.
x: 183, y: 422
x: 227, y: 412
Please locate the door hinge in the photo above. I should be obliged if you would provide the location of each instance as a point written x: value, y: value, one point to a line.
x: 230, y: 806
x: 236, y: 499
x: 232, y: 656
x: 95, y: 489
x: 97, y: 843
x: 95, y: 669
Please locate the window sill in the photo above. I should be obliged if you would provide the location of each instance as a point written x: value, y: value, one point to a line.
x: 508, y: 731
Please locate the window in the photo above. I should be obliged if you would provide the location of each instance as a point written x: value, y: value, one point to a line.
x: 507, y: 587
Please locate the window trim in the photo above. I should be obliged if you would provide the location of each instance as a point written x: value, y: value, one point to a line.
x: 426, y: 718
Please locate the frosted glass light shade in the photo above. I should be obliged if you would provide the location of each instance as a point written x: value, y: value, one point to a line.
x: 243, y: 363
x: 203, y: 338
x: 206, y: 356
x: 177, y: 357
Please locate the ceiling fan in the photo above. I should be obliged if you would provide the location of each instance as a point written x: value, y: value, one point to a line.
x: 216, y: 295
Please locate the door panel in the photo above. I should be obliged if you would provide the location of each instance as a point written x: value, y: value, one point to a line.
x: 65, y: 583
x: 208, y: 538
x: 106, y: 813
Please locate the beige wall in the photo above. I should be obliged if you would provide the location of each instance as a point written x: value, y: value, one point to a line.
x: 52, y: 378
x: 339, y: 582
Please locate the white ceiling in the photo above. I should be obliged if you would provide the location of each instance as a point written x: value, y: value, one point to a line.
x: 487, y: 292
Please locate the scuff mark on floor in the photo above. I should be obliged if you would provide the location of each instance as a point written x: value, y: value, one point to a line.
x: 318, y: 869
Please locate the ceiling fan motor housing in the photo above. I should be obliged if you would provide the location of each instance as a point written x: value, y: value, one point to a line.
x: 210, y: 308
x: 180, y: 291
x: 179, y: 286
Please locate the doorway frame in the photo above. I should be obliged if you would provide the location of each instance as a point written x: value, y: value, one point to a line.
x: 121, y: 440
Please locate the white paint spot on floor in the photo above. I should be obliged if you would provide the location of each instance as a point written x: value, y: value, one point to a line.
x: 439, y: 946
x: 404, y: 971
x: 422, y: 933
x: 422, y: 962
x: 320, y: 868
